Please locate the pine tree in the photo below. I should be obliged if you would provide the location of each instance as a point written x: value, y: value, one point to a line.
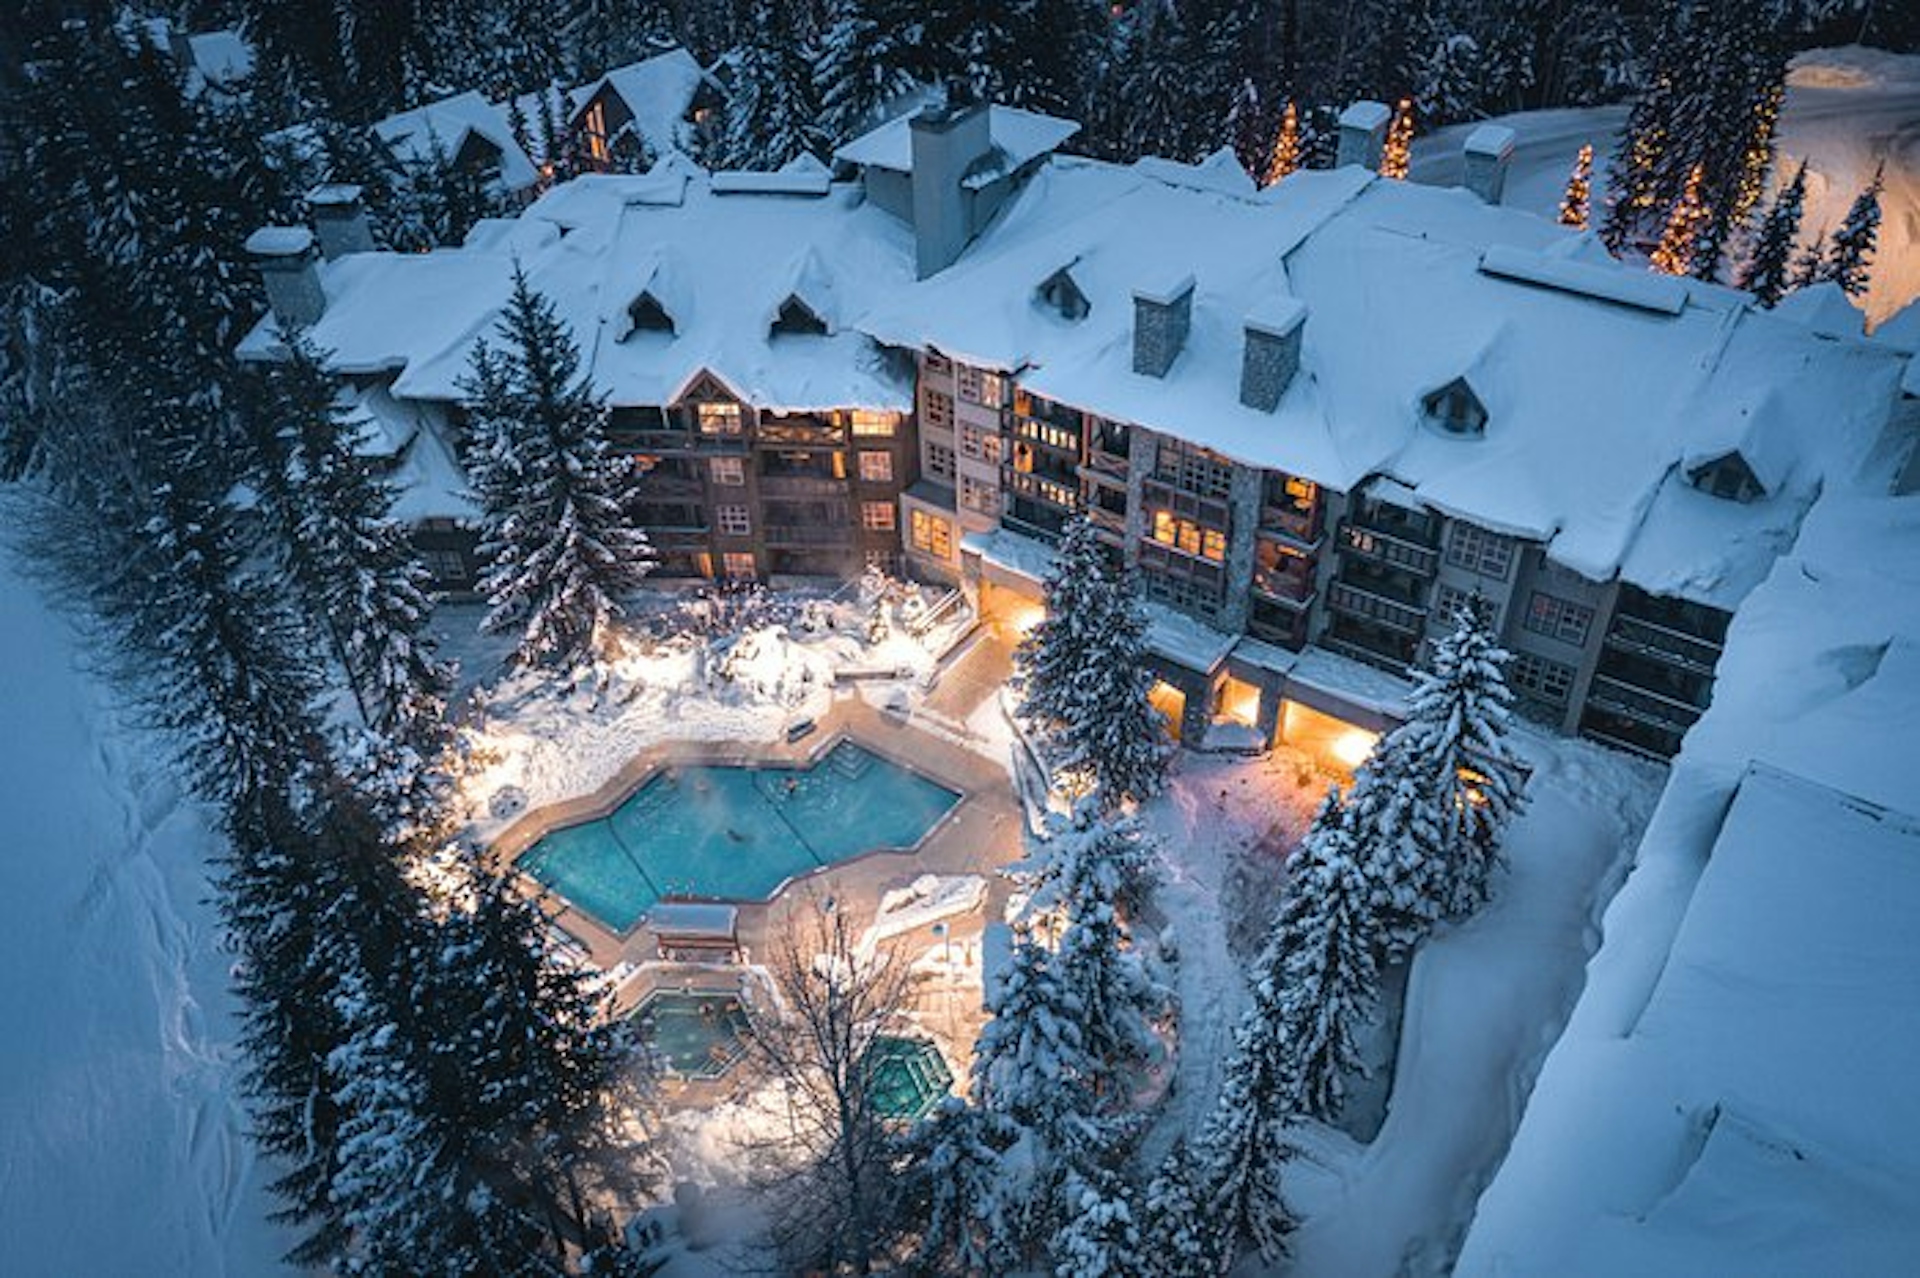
x: 1081, y: 675
x: 1399, y: 146
x: 1675, y: 254
x: 1247, y: 1146
x: 957, y: 1161
x: 771, y: 113
x: 1328, y: 975
x: 1811, y: 265
x: 356, y: 572
x: 560, y: 551
x: 1175, y: 1233
x: 1100, y: 1237
x: 1286, y: 148
x: 1574, y: 205
x: 863, y: 65
x: 1457, y: 723
x: 1768, y: 270
x: 1399, y: 837
x: 1853, y: 243
x: 1096, y: 963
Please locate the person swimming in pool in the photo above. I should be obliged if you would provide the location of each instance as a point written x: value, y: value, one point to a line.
x: 793, y: 786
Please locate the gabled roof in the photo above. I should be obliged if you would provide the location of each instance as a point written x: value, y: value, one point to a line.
x: 409, y: 136
x: 659, y: 91
x: 1018, y: 137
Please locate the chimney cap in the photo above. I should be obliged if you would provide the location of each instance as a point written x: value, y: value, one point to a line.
x: 334, y: 194
x: 1366, y: 114
x: 280, y: 241
x: 1494, y: 140
x: 1166, y: 290
x: 1277, y: 316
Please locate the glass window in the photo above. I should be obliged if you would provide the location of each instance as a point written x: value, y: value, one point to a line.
x: 739, y: 566
x: 940, y: 461
x: 877, y: 516
x: 1188, y: 537
x: 1478, y: 550
x: 936, y: 410
x: 932, y: 534
x: 978, y: 496
x: 1549, y: 681
x: 734, y: 521
x: 1558, y: 618
x: 729, y: 470
x: 876, y: 467
x: 719, y: 419
x: 875, y: 425
x: 1450, y: 601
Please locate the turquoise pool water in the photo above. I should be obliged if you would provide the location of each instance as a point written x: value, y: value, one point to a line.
x: 694, y: 1035
x: 734, y: 833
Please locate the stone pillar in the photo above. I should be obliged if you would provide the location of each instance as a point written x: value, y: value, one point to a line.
x: 1487, y: 155
x: 1243, y: 498
x: 1162, y: 314
x: 340, y: 219
x: 1272, y: 352
x: 1363, y: 134
x: 284, y: 256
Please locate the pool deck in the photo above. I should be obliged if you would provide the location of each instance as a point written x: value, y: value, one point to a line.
x: 977, y: 836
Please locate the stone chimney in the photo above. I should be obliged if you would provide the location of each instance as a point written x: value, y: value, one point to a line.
x: 1161, y: 317
x: 947, y: 141
x: 1272, y: 353
x: 1488, y: 153
x: 284, y: 255
x: 340, y: 218
x: 1363, y: 134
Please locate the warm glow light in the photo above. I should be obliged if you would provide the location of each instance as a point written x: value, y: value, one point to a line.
x: 1023, y: 616
x: 1352, y: 747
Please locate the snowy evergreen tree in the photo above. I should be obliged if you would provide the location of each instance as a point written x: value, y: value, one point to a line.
x: 612, y: 33
x: 560, y: 550
x: 1811, y: 263
x: 1081, y: 675
x: 1246, y: 1145
x: 1575, y: 204
x: 864, y: 64
x: 1458, y: 719
x: 1675, y: 253
x: 1176, y: 1237
x: 1328, y: 977
x: 1853, y: 243
x: 358, y: 576
x: 1768, y: 271
x: 1399, y: 837
x: 957, y: 1162
x: 772, y: 115
x: 1099, y: 1237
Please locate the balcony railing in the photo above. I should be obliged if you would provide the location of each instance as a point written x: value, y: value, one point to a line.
x: 1609, y: 693
x: 676, y: 536
x: 1290, y: 527
x: 802, y: 485
x: 1364, y: 648
x: 1392, y: 549
x: 1371, y: 604
x: 1649, y: 639
x: 807, y: 535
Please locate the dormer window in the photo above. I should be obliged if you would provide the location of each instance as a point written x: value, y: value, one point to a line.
x: 1728, y: 477
x: 797, y: 319
x: 1456, y: 410
x: 647, y: 315
x: 1064, y: 297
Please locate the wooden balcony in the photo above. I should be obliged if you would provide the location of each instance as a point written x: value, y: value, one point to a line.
x: 1393, y: 549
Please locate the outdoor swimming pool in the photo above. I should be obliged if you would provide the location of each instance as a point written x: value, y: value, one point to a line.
x: 734, y: 833
x: 695, y: 1035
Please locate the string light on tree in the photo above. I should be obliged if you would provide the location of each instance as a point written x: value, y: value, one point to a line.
x: 1393, y: 161
x: 1679, y: 241
x: 1575, y: 205
x: 1286, y: 148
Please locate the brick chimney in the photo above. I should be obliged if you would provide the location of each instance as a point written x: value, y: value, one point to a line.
x: 1363, y: 134
x: 1162, y: 314
x: 947, y: 141
x: 340, y: 219
x: 284, y: 256
x: 1272, y: 353
x: 1488, y: 153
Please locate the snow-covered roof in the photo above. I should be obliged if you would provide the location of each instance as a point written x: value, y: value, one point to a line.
x: 1825, y: 308
x: 1740, y: 1051
x: 1595, y: 377
x: 659, y: 91
x: 410, y: 135
x: 1018, y: 136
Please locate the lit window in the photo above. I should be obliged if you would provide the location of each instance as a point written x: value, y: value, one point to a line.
x: 596, y: 131
x: 729, y: 470
x: 733, y: 521
x: 739, y: 566
x: 877, y: 516
x: 1188, y: 537
x: 719, y: 419
x: 876, y: 467
x: 932, y: 535
x: 877, y: 425
x: 982, y: 444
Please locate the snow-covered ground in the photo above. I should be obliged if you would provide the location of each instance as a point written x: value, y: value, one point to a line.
x: 122, y: 1146
x: 1847, y: 110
